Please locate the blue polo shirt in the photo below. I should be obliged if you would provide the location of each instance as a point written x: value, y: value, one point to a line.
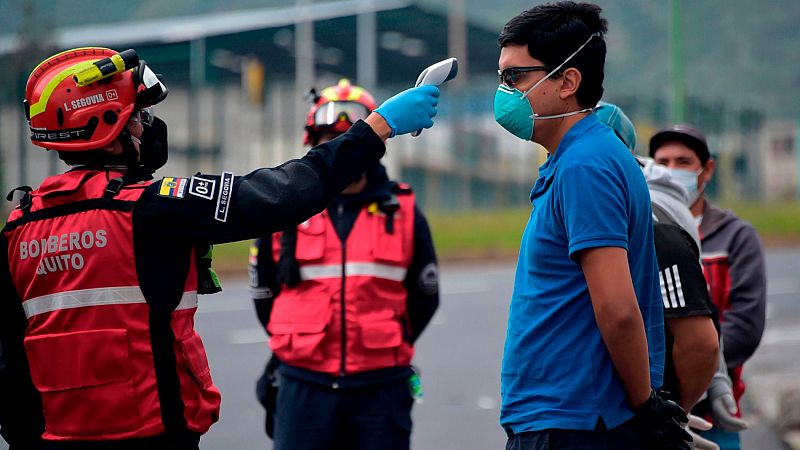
x: 557, y: 372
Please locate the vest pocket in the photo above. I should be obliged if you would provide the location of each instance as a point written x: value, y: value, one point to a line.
x: 298, y: 325
x: 195, y: 356
x: 380, y: 335
x: 379, y: 342
x: 85, y: 382
x: 389, y: 247
x: 311, y: 240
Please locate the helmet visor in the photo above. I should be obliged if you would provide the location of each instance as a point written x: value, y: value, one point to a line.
x: 144, y: 115
x: 333, y: 112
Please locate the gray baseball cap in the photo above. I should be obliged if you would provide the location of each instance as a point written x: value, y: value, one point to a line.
x: 686, y: 134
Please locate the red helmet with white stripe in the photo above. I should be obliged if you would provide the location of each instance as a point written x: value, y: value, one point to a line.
x: 336, y: 109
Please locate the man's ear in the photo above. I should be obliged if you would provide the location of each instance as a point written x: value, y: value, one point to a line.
x: 708, y: 170
x: 570, y: 82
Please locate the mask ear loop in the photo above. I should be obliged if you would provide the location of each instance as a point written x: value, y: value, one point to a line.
x: 525, y: 94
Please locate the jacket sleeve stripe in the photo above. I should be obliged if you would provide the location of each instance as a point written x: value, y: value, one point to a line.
x: 664, y: 294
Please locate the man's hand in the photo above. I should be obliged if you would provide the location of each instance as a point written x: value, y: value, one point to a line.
x: 662, y: 424
x: 723, y: 405
x: 410, y: 110
x: 698, y: 442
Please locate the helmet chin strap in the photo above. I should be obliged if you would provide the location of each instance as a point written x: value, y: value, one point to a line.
x: 131, y: 156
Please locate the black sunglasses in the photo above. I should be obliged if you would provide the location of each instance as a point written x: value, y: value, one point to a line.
x: 509, y: 76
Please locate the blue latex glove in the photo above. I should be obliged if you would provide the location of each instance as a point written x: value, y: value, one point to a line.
x: 410, y: 110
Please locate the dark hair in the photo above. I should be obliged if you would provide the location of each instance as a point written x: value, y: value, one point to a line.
x: 554, y: 31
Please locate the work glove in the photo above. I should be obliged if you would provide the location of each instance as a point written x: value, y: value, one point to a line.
x: 410, y: 110
x: 698, y: 442
x: 207, y: 279
x: 723, y: 405
x: 662, y: 424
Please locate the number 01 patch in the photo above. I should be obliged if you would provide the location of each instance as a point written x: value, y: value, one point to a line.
x: 202, y: 187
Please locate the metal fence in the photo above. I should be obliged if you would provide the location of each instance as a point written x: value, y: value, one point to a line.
x: 465, y: 161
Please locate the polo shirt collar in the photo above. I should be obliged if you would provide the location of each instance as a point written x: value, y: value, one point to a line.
x: 548, y: 169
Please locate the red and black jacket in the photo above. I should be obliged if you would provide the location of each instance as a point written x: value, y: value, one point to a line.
x: 733, y: 264
x: 167, y: 221
x: 88, y: 337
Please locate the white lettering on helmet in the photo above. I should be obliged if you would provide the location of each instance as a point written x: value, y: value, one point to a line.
x: 44, y: 135
x: 87, y: 101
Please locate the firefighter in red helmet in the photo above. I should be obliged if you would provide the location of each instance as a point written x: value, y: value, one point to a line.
x: 99, y: 287
x: 344, y: 296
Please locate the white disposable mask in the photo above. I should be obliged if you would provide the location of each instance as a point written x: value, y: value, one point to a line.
x: 688, y: 179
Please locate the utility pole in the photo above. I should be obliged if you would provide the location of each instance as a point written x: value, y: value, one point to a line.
x: 304, y: 59
x: 677, y: 60
x: 304, y: 46
x: 457, y: 28
x: 366, y: 50
x: 197, y: 80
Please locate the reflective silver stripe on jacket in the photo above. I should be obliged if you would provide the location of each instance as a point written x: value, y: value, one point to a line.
x: 95, y: 297
x: 318, y: 271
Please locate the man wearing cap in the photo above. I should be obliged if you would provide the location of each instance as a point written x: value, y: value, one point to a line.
x: 733, y: 261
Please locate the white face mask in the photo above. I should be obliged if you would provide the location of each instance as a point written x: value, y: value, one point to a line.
x: 688, y: 180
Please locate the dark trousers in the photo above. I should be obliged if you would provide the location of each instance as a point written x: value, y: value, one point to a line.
x: 623, y: 437
x: 310, y: 416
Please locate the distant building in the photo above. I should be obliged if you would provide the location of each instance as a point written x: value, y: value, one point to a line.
x: 780, y: 160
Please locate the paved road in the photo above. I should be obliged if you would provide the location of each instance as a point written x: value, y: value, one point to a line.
x: 460, y: 358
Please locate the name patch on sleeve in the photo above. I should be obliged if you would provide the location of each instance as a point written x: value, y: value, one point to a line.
x: 224, y: 196
x: 173, y: 187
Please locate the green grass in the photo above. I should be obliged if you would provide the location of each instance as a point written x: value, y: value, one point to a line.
x: 496, y: 233
x: 773, y: 221
x: 478, y: 233
x: 461, y: 235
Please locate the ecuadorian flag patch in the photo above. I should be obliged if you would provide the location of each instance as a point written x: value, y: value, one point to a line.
x: 173, y: 187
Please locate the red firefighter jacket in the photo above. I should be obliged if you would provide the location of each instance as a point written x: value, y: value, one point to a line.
x: 88, y: 338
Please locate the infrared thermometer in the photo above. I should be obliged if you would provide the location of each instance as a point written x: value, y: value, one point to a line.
x: 437, y: 74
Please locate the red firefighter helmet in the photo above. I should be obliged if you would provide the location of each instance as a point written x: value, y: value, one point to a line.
x: 80, y: 99
x: 336, y: 108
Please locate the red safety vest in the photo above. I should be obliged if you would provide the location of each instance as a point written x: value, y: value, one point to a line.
x: 88, y: 337
x: 348, y: 314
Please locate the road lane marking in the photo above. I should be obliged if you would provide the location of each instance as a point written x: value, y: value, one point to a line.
x: 782, y: 335
x: 487, y: 402
x: 247, y: 336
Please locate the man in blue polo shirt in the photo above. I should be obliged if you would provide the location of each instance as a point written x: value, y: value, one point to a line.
x: 585, y: 341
